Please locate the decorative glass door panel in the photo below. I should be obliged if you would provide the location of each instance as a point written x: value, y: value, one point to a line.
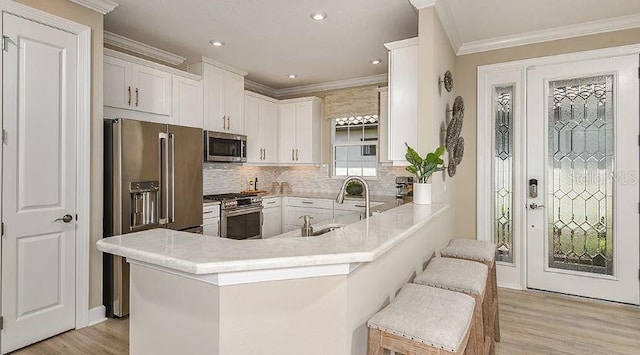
x: 580, y: 174
x: 503, y: 173
x: 582, y: 163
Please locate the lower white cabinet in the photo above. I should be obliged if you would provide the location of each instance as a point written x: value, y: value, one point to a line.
x: 296, y: 207
x: 211, y: 220
x: 272, y: 217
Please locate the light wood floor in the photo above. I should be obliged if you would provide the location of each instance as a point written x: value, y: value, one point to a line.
x: 532, y: 323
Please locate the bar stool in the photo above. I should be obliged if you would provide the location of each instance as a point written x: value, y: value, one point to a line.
x: 424, y: 320
x: 464, y: 276
x: 483, y: 252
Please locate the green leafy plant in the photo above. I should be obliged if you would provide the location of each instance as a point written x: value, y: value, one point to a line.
x: 423, y: 168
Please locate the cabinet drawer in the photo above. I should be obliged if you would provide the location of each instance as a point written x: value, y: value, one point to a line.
x: 309, y: 202
x: 210, y: 211
x: 353, y: 205
x: 271, y: 202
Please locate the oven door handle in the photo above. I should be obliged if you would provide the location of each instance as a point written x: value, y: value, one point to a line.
x: 242, y: 211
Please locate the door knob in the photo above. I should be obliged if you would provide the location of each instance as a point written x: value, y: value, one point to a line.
x: 535, y: 206
x: 66, y: 218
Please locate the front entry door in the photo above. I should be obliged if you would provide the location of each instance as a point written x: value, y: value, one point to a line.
x: 582, y: 155
x: 38, y: 181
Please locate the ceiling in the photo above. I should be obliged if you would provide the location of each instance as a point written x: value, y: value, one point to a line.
x: 270, y: 39
x: 274, y: 38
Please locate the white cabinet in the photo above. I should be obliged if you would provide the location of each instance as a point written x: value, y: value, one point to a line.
x: 355, y: 209
x: 223, y: 96
x: 272, y: 217
x: 211, y: 220
x: 299, y: 131
x: 261, y: 121
x: 296, y: 207
x: 383, y: 126
x: 187, y: 102
x: 136, y: 87
x: 403, y: 98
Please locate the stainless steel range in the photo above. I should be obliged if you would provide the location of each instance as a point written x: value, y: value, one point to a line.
x: 240, y: 215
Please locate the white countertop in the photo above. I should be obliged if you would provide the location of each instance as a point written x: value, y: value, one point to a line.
x: 360, y: 242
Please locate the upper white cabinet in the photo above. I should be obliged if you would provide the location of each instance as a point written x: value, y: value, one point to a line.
x: 136, y: 87
x: 299, y: 131
x: 261, y: 122
x: 223, y: 96
x: 187, y: 102
x: 403, y: 98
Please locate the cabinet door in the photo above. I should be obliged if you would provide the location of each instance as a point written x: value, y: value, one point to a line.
x: 268, y: 131
x: 152, y: 90
x: 187, y: 102
x: 294, y: 215
x: 117, y: 83
x: 252, y: 119
x: 211, y: 227
x: 213, y: 99
x: 304, y: 133
x: 272, y: 224
x: 234, y: 102
x: 403, y: 102
x: 287, y: 133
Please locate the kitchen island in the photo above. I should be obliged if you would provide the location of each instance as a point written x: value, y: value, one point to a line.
x: 288, y: 295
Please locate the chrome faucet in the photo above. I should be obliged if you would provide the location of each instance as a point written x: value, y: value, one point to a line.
x: 367, y: 202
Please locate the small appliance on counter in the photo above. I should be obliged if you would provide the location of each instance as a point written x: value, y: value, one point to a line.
x: 240, y: 215
x: 404, y: 186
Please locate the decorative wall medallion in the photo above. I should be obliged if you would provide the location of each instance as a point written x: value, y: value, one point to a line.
x: 453, y: 142
x: 458, y: 105
x: 453, y: 132
x: 448, y: 81
x: 451, y: 169
x: 458, y: 151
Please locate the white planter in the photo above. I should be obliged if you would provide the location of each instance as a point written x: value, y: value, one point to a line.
x: 421, y: 193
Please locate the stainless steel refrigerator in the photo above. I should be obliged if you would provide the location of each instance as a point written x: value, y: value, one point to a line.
x: 152, y: 179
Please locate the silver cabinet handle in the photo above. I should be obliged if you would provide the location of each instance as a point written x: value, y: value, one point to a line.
x: 293, y: 154
x: 66, y: 218
x: 228, y: 123
x: 129, y: 100
x: 359, y: 206
x: 224, y: 122
x: 535, y: 206
x: 307, y: 202
x: 137, y: 97
x: 296, y: 154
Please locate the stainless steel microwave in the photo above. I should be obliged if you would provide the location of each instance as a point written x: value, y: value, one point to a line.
x: 225, y: 147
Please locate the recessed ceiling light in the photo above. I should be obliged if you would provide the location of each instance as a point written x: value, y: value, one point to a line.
x: 292, y: 76
x: 375, y: 61
x: 318, y: 15
x: 216, y: 43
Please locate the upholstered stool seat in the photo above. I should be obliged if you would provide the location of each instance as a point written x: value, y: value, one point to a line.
x: 423, y: 319
x: 464, y: 276
x: 482, y: 252
x: 470, y: 249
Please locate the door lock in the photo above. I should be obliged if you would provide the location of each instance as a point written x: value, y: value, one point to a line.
x: 535, y: 206
x: 66, y: 218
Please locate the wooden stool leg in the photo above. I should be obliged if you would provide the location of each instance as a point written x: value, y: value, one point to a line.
x: 496, y: 315
x: 375, y: 342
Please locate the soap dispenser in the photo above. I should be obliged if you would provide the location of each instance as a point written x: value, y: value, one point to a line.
x: 307, y: 229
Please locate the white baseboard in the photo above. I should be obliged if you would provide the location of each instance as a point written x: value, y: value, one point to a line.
x: 97, y: 315
x: 511, y: 286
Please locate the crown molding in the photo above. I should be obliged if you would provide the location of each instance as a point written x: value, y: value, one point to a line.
x: 334, y: 85
x: 147, y: 63
x: 141, y: 48
x: 552, y: 34
x: 402, y: 43
x: 102, y: 6
x: 260, y: 88
x: 448, y: 24
x: 216, y: 63
x: 421, y: 4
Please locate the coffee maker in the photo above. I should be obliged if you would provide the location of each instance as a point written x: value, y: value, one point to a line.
x: 404, y: 186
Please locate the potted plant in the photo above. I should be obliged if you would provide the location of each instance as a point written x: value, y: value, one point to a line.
x: 423, y: 169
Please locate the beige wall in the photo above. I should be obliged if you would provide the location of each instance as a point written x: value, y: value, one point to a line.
x: 85, y: 16
x: 465, y: 84
x: 435, y: 57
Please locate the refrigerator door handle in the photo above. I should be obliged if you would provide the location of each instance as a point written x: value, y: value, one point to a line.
x: 163, y: 143
x: 172, y: 178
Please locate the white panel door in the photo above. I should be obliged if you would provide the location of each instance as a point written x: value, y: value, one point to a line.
x: 287, y: 133
x: 152, y: 90
x: 252, y: 119
x: 268, y: 131
x: 582, y: 144
x: 187, y: 102
x: 304, y: 132
x: 234, y: 102
x: 117, y: 82
x: 39, y: 182
x: 214, y: 117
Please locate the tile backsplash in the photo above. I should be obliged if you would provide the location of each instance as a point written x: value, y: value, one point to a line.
x: 223, y: 178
